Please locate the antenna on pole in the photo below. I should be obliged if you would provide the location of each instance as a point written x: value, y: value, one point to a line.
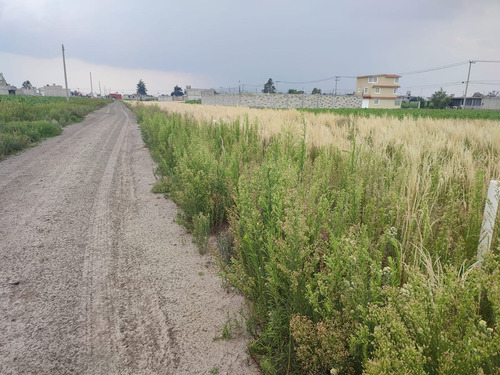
x: 65, y: 76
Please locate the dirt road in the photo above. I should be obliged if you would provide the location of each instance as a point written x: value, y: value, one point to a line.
x: 95, y: 275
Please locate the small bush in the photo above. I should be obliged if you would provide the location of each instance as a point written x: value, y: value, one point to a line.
x: 201, y: 232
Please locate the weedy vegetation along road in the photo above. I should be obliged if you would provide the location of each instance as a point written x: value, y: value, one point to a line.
x: 96, y: 277
x: 353, y: 236
x: 25, y: 120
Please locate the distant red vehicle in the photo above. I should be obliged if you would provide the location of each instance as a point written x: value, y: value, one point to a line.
x: 115, y: 96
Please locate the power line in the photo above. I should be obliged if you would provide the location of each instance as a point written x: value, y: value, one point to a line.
x: 434, y: 69
x: 488, y: 61
x: 315, y: 81
x: 434, y: 85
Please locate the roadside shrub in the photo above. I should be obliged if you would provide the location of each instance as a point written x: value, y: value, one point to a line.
x: 201, y: 232
x: 356, y: 260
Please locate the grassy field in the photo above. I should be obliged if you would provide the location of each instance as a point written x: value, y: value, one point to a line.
x: 414, y: 113
x: 354, y: 238
x: 25, y: 120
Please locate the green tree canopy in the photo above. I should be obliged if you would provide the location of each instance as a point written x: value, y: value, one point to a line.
x: 440, y: 99
x: 316, y: 91
x: 293, y: 91
x: 177, y: 91
x: 269, y: 87
x: 141, y: 88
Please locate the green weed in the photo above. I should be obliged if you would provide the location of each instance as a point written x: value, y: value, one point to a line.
x: 355, y: 260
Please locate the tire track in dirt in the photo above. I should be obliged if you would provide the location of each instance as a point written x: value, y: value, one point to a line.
x: 95, y: 275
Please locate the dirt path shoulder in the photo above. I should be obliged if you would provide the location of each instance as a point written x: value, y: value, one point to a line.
x: 95, y: 275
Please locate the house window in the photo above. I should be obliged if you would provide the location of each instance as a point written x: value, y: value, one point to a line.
x: 395, y: 90
x: 366, y: 90
x: 396, y: 80
x: 372, y: 79
x: 376, y: 101
x: 377, y: 90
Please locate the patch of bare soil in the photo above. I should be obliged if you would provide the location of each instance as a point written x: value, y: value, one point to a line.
x: 95, y: 275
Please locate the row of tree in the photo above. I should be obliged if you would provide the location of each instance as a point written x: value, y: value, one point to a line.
x: 142, y: 90
x: 269, y: 88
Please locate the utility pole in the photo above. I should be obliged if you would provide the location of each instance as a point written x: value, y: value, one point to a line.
x: 65, y: 76
x: 100, y: 94
x: 91, y: 88
x: 467, y: 83
x: 337, y: 78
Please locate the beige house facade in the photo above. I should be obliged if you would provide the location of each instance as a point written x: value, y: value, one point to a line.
x: 379, y: 91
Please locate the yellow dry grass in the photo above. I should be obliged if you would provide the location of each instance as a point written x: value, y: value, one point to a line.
x: 462, y: 147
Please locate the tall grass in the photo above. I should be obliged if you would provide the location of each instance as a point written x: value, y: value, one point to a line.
x: 25, y: 120
x: 353, y: 238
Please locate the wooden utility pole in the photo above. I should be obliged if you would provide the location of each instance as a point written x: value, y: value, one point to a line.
x: 65, y: 76
x: 467, y: 83
x: 91, y: 87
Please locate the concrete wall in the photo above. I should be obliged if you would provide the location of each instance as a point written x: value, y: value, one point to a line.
x: 54, y: 90
x: 384, y: 103
x: 30, y: 92
x: 491, y: 103
x: 283, y: 100
x: 196, y: 94
x: 164, y: 98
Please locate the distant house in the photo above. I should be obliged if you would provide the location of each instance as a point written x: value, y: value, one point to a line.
x: 131, y: 96
x: 54, y: 90
x: 474, y: 102
x: 5, y: 88
x: 379, y: 91
x: 115, y: 96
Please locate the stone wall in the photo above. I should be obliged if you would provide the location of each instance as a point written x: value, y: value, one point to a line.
x: 283, y: 100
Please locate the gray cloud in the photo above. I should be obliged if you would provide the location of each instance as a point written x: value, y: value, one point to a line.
x: 250, y: 41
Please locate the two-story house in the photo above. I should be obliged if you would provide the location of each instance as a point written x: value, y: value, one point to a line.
x: 379, y: 91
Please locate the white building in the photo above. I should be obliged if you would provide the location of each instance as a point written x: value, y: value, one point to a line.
x: 5, y: 88
x: 54, y: 90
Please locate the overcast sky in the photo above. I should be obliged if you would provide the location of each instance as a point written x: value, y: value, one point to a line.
x: 224, y: 43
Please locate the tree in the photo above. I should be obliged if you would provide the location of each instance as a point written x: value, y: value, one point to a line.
x: 27, y: 85
x: 493, y: 94
x: 478, y: 95
x: 316, y: 91
x: 269, y: 87
x: 177, y: 91
x: 423, y: 102
x: 141, y: 88
x: 440, y: 99
x: 293, y: 91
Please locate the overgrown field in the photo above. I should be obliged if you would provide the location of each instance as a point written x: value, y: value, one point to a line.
x: 354, y: 238
x: 25, y: 120
x: 414, y: 113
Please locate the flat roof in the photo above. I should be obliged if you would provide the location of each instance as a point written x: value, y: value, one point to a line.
x: 378, y: 75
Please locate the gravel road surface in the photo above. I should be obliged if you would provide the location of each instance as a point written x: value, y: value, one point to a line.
x: 95, y: 275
